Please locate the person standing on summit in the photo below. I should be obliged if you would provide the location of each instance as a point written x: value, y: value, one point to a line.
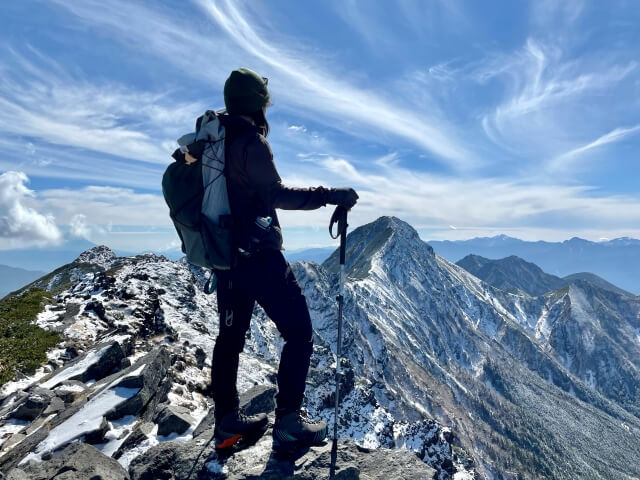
x: 260, y: 272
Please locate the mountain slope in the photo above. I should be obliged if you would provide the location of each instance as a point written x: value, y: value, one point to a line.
x: 511, y: 274
x: 515, y: 275
x: 596, y: 280
x: 615, y: 260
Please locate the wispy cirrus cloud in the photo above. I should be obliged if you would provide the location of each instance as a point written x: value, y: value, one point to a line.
x: 302, y: 80
x: 567, y: 159
x: 39, y: 100
x: 299, y: 84
x: 455, y: 121
x: 542, y: 87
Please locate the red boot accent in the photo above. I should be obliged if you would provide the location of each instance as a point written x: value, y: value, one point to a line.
x: 229, y: 442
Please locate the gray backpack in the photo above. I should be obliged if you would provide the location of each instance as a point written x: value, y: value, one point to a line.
x: 195, y: 189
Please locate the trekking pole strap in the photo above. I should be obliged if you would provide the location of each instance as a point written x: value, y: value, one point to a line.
x: 339, y: 217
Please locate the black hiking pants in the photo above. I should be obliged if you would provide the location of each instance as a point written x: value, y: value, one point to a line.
x: 265, y: 278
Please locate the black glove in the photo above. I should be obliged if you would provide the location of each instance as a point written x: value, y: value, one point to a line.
x: 345, y: 197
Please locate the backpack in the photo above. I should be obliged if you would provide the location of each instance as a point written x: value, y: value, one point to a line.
x: 195, y: 189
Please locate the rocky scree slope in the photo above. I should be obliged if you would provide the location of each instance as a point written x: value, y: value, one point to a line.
x: 121, y: 395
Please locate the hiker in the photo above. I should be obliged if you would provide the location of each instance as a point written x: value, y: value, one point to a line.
x: 260, y: 273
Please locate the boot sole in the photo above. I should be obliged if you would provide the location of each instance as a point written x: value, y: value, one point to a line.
x: 283, y: 446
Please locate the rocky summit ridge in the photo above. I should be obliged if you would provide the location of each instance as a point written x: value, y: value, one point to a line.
x: 122, y: 396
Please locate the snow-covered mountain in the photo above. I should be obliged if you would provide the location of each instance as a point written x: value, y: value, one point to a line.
x: 437, y: 362
x: 616, y: 260
x: 542, y: 386
x: 515, y: 275
x: 129, y: 374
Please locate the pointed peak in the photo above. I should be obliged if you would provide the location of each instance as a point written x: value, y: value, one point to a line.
x: 392, y: 225
x: 387, y: 238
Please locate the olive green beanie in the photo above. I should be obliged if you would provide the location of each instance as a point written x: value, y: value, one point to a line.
x: 245, y: 92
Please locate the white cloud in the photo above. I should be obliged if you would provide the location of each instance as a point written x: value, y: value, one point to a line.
x: 20, y: 224
x: 106, y: 205
x: 78, y: 226
x: 475, y: 205
x: 547, y: 97
x: 119, y: 217
x: 566, y: 159
x: 309, y: 87
x: 312, y: 91
x: 54, y: 107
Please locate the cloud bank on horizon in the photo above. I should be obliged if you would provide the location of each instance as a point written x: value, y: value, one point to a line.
x: 521, y: 118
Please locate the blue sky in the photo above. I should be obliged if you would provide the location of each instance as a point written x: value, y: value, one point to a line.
x: 463, y: 118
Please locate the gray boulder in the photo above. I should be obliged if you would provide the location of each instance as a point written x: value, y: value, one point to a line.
x: 96, y: 307
x: 56, y: 405
x: 149, y: 381
x: 198, y: 459
x: 37, y: 401
x: 97, y: 436
x: 97, y: 369
x: 70, y: 389
x: 139, y: 433
x: 182, y: 460
x: 173, y: 419
x: 15, y: 475
x: 258, y: 399
x: 108, y: 363
x: 78, y: 461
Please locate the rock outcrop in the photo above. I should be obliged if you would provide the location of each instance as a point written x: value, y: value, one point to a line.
x: 78, y: 461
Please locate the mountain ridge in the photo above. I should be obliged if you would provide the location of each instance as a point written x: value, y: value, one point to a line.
x: 515, y: 275
x: 615, y: 260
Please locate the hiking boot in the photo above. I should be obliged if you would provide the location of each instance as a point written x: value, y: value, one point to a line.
x: 296, y: 429
x: 236, y: 425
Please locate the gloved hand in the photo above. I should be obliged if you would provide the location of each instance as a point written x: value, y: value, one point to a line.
x: 345, y: 197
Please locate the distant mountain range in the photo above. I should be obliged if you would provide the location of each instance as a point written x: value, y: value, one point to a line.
x: 617, y: 261
x: 45, y: 258
x: 317, y: 255
x: 515, y: 275
x: 13, y: 278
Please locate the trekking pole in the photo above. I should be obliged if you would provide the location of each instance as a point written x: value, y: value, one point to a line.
x: 340, y: 217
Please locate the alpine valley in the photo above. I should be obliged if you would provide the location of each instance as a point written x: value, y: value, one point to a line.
x: 446, y: 376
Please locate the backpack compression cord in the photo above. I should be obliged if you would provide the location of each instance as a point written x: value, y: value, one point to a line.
x: 340, y: 217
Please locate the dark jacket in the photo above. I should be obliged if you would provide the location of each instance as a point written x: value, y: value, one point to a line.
x: 254, y: 186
